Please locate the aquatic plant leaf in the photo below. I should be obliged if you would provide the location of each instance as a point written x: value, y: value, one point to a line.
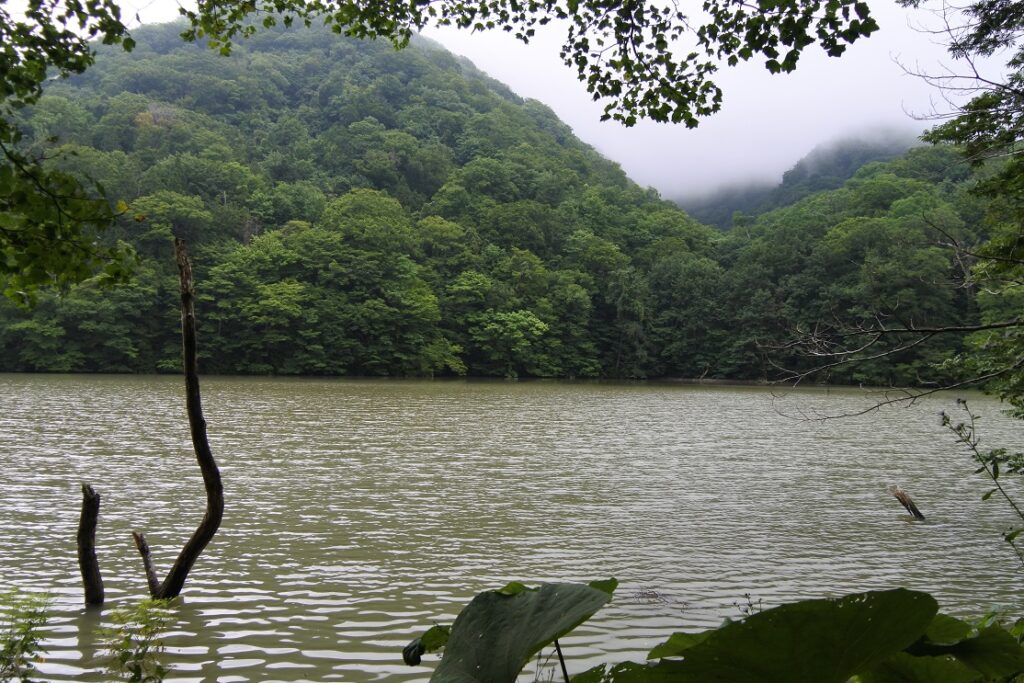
x: 606, y: 585
x: 905, y: 668
x: 433, y: 640
x: 436, y: 638
x: 947, y: 630
x: 993, y: 651
x: 812, y: 640
x: 497, y: 633
x: 665, y: 671
x: 678, y: 644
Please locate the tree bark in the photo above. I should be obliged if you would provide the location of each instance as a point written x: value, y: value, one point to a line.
x: 175, y: 581
x: 91, y: 577
x: 147, y: 561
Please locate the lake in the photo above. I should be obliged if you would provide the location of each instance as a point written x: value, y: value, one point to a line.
x: 361, y: 512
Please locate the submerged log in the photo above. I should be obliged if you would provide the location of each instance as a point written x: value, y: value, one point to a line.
x: 175, y: 581
x: 87, y: 562
x: 903, y: 498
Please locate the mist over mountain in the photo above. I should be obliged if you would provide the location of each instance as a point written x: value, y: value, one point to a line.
x: 826, y: 167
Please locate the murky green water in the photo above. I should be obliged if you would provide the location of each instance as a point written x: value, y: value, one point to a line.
x: 361, y: 512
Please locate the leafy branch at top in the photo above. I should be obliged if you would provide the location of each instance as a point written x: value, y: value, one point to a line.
x: 993, y: 463
x: 631, y: 55
x: 50, y: 220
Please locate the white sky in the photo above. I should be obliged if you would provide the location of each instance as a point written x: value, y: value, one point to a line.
x: 768, y: 122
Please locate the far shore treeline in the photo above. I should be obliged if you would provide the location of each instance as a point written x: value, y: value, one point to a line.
x: 353, y: 210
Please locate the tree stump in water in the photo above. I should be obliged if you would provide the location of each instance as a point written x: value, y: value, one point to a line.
x: 903, y: 498
x: 91, y: 577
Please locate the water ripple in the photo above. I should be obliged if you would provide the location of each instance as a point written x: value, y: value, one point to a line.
x: 359, y: 513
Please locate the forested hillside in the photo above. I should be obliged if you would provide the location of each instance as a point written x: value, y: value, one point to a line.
x: 826, y: 167
x: 360, y: 211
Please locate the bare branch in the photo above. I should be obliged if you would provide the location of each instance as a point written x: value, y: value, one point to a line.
x: 175, y: 581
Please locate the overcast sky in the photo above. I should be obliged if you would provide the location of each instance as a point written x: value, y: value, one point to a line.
x: 768, y: 122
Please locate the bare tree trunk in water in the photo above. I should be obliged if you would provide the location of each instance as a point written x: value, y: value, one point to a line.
x: 175, y: 580
x: 91, y: 577
x: 904, y: 498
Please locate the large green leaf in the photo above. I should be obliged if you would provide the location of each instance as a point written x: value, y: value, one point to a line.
x: 499, y: 631
x: 433, y: 640
x: 993, y: 652
x: 825, y: 641
x: 677, y: 644
x: 905, y: 668
x: 946, y: 630
x: 813, y: 640
x: 665, y: 671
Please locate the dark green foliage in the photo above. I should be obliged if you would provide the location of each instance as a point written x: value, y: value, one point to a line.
x: 49, y: 219
x: 623, y: 52
x: 989, y: 129
x: 362, y: 211
x: 877, y: 637
x: 812, y: 640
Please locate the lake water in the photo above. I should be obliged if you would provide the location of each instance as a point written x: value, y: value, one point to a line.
x: 361, y: 512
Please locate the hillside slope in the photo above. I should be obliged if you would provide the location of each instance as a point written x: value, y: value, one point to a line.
x: 359, y: 211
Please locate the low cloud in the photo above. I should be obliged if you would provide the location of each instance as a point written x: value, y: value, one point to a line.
x: 768, y: 122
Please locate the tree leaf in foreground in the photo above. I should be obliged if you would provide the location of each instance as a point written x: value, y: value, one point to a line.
x: 497, y: 633
x: 826, y: 640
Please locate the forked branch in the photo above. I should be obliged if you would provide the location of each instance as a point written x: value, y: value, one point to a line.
x: 175, y: 581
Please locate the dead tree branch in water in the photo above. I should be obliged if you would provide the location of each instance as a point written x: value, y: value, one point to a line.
x: 87, y: 562
x: 175, y: 581
x: 906, y: 501
x: 172, y: 585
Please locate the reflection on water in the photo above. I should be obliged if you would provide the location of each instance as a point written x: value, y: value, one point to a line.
x: 361, y: 512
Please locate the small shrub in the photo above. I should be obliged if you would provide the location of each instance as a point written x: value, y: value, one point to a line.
x: 134, y: 642
x: 21, y: 621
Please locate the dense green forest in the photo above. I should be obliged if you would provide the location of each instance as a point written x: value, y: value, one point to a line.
x: 360, y: 211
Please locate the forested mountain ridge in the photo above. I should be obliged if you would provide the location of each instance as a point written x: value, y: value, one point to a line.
x: 356, y: 210
x: 826, y: 167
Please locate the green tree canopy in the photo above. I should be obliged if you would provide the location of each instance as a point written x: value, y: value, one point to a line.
x: 627, y: 55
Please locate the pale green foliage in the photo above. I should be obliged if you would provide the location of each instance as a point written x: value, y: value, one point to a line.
x: 134, y: 642
x: 505, y: 335
x: 22, y: 617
